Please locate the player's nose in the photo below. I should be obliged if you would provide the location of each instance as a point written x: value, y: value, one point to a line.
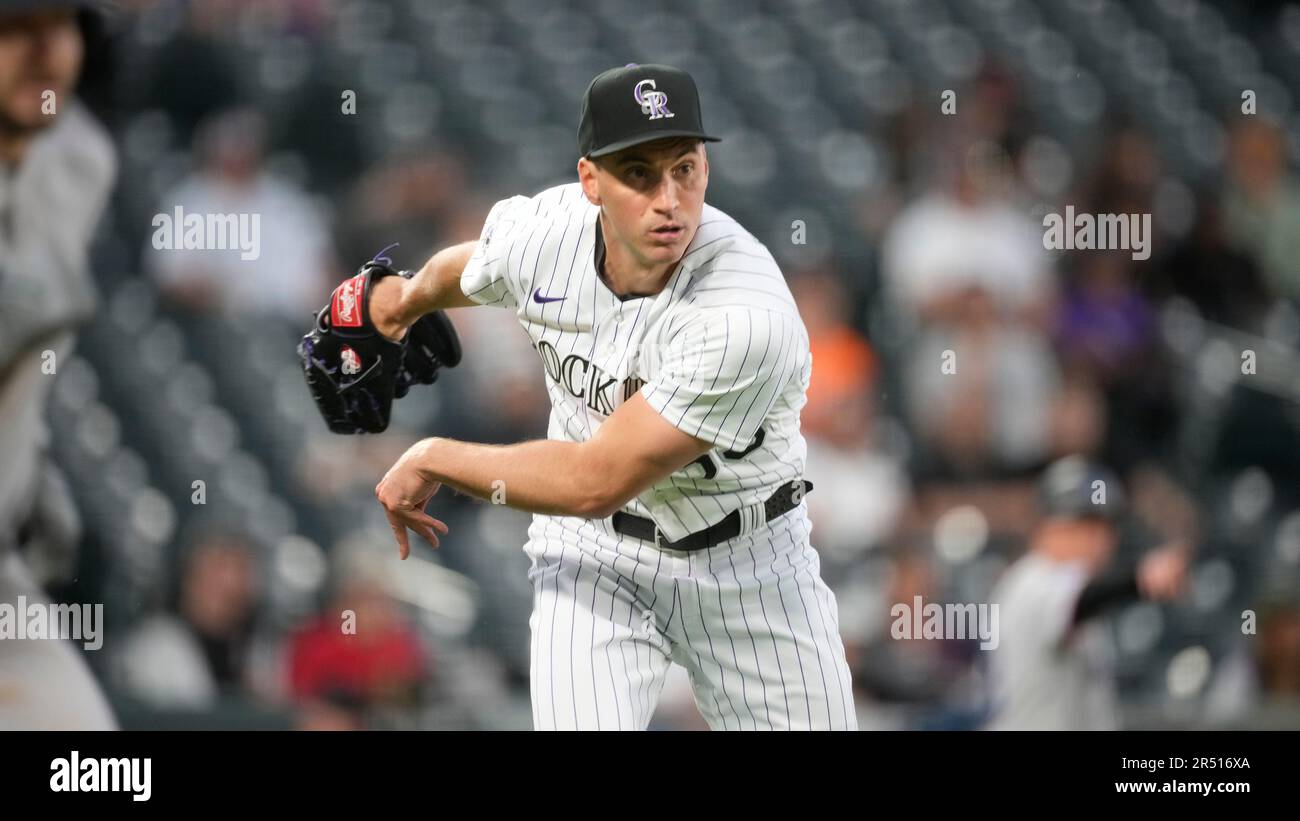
x: 667, y: 197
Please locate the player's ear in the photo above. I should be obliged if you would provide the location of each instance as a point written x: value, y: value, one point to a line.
x: 587, y: 177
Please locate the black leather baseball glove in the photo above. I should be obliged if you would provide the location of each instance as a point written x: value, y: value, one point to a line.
x: 354, y: 372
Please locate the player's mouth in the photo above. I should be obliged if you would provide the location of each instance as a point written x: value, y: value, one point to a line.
x: 668, y: 233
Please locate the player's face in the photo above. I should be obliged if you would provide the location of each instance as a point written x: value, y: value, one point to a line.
x: 40, y: 53
x: 653, y: 195
x: 1099, y: 539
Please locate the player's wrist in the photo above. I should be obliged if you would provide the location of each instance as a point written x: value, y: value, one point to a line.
x: 390, y: 307
x: 425, y: 458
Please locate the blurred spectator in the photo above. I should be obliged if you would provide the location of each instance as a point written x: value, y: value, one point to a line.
x: 1105, y: 324
x: 965, y: 242
x: 1261, y: 203
x: 992, y: 412
x: 860, y: 488
x: 1079, y: 415
x: 970, y: 271
x: 314, y: 128
x: 414, y: 200
x: 358, y: 651
x: 510, y: 390
x: 844, y: 364
x: 1125, y: 177
x: 916, y: 670
x: 1223, y: 282
x: 991, y: 112
x: 199, y: 652
x: 193, y: 74
x: 1105, y: 334
x: 289, y: 272
x: 993, y: 109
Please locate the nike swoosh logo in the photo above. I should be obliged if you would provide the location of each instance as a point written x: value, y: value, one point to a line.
x: 537, y: 297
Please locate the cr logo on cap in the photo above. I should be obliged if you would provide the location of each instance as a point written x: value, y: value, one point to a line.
x: 654, y: 104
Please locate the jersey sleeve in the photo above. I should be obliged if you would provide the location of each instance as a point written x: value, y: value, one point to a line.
x: 721, y: 373
x: 1055, y: 600
x: 487, y: 279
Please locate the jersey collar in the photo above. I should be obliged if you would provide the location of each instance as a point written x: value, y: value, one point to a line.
x: 598, y: 260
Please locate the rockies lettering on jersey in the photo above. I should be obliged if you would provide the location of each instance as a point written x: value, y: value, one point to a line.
x: 721, y: 352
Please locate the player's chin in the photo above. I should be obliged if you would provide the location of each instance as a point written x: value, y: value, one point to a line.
x: 665, y: 248
x: 662, y: 255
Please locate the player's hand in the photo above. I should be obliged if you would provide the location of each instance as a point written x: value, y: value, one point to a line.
x: 404, y: 491
x: 1163, y: 572
x: 386, y: 307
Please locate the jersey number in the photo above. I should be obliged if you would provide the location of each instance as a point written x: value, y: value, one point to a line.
x: 711, y: 467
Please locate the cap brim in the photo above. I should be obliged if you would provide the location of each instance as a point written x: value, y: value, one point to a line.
x: 649, y: 138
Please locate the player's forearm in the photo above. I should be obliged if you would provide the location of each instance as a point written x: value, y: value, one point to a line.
x: 541, y: 476
x: 397, y: 303
x: 437, y: 285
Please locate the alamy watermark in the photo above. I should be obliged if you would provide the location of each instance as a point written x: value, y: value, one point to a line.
x: 919, y: 620
x: 180, y: 231
x: 77, y: 774
x: 38, y: 620
x: 1098, y: 232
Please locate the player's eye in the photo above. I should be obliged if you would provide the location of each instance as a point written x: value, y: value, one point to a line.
x: 685, y: 168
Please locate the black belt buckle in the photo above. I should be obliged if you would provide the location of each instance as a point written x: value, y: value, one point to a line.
x: 662, y: 544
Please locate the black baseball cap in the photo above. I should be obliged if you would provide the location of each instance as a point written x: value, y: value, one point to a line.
x: 635, y: 104
x: 1069, y: 489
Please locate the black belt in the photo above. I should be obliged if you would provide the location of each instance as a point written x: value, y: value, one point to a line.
x: 786, y: 498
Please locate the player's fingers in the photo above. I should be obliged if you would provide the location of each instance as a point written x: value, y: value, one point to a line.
x: 412, y: 516
x: 428, y: 521
x: 426, y: 533
x: 399, y: 531
x: 426, y: 526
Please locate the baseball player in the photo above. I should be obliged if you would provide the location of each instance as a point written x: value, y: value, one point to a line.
x: 58, y: 166
x: 1052, y: 667
x: 669, y: 522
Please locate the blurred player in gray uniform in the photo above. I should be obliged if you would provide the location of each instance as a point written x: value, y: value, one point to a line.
x: 1052, y: 666
x: 56, y: 169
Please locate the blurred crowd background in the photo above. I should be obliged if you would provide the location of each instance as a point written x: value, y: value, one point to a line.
x: 226, y: 530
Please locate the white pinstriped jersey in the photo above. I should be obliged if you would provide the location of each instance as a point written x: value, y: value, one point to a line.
x: 720, y: 352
